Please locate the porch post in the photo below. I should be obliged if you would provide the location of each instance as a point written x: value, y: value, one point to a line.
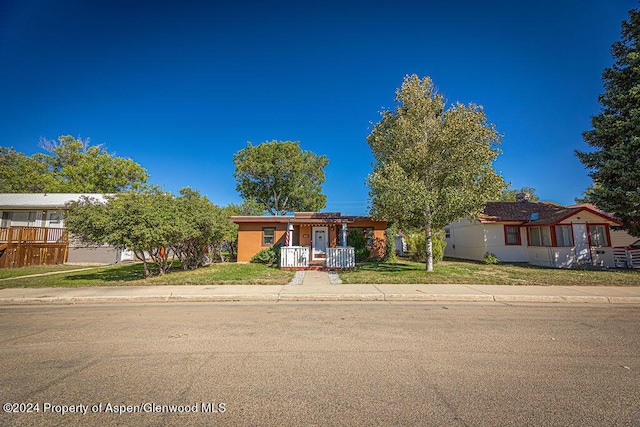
x: 344, y: 235
x: 289, y: 234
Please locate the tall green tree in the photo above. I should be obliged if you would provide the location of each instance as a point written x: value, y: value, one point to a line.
x: 146, y: 222
x: 79, y: 167
x: 615, y: 137
x: 20, y: 173
x: 280, y: 176
x: 511, y: 195
x: 433, y: 165
x: 68, y: 165
x: 153, y: 224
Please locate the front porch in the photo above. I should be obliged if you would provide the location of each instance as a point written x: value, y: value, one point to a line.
x: 301, y: 258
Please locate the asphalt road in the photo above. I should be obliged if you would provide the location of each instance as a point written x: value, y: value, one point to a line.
x: 321, y: 364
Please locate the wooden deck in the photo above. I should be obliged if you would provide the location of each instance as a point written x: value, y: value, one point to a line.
x: 27, y: 246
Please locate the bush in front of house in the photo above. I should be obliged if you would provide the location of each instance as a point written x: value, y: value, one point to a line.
x: 416, y: 246
x: 269, y: 255
x: 358, y: 240
x: 491, y: 259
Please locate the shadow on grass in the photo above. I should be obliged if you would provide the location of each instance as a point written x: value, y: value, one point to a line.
x: 386, y: 267
x: 125, y: 273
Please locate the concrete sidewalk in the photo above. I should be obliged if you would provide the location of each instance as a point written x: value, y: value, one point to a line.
x: 320, y: 286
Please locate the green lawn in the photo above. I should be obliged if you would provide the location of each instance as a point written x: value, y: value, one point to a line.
x: 467, y: 272
x: 133, y: 275
x: 42, y: 269
x: 374, y: 272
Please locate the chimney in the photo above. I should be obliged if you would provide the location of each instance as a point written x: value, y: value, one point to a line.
x: 523, y: 197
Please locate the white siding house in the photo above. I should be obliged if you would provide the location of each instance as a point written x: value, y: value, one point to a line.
x: 46, y: 211
x: 543, y: 234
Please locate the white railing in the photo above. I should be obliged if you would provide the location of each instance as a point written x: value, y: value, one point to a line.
x: 633, y: 258
x: 341, y: 257
x: 294, y: 256
x: 620, y: 257
x: 623, y: 257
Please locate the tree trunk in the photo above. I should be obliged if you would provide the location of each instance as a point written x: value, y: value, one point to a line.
x: 429, y: 246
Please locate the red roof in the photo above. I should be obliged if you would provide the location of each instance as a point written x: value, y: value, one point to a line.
x: 305, y: 218
x: 534, y: 213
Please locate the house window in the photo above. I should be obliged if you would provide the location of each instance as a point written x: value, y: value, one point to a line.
x: 512, y: 234
x: 539, y: 236
x: 268, y: 236
x: 6, y: 219
x: 564, y: 238
x: 31, y: 218
x: 55, y: 218
x: 369, y: 234
x: 447, y: 233
x: 598, y: 235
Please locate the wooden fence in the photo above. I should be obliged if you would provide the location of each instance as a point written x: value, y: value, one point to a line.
x: 26, y: 246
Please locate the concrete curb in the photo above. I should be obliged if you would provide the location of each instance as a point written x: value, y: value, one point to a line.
x: 319, y: 298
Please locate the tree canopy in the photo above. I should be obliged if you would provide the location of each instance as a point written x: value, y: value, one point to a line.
x: 280, y: 176
x: 152, y: 222
x: 511, y: 195
x: 432, y: 165
x: 68, y: 165
x: 615, y: 137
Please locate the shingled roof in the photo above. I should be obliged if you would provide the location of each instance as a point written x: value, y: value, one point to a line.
x: 521, y: 212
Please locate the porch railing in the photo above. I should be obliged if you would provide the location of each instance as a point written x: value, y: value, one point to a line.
x: 341, y: 257
x: 294, y: 256
x: 624, y: 257
x: 33, y: 235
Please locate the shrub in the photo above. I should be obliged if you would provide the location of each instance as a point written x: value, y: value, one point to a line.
x: 358, y: 240
x: 362, y: 254
x: 490, y: 258
x: 269, y: 255
x: 416, y: 246
x: 390, y: 236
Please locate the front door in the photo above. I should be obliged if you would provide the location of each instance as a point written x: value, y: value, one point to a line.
x: 581, y: 242
x: 320, y: 236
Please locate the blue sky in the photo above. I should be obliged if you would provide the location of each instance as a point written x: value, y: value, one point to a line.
x: 180, y: 86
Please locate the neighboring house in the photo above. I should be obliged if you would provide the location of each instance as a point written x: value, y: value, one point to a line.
x: 32, y: 232
x: 400, y: 243
x: 544, y: 234
x: 315, y: 234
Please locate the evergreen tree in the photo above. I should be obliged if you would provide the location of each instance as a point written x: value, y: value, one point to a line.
x: 615, y: 162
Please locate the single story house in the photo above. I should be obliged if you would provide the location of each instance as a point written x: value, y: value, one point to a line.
x: 316, y: 233
x: 540, y: 233
x: 32, y: 232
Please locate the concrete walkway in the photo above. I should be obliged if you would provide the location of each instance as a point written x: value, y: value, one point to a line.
x: 319, y: 286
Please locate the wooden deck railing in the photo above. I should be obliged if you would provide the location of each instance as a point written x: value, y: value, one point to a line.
x: 26, y: 235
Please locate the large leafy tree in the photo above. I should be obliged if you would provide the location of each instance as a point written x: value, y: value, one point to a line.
x: 152, y: 223
x: 68, y: 165
x: 432, y: 165
x: 145, y: 222
x: 511, y: 195
x: 20, y: 173
x: 280, y: 176
x: 615, y: 137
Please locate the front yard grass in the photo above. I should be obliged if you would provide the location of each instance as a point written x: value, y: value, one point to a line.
x: 401, y: 272
x: 469, y: 272
x: 133, y: 275
x: 6, y: 273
